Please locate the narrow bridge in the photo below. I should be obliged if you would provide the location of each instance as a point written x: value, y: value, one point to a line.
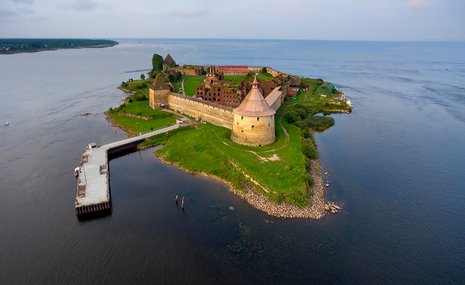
x: 93, y: 177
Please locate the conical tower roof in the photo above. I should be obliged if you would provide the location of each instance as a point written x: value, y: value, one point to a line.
x: 160, y: 83
x: 169, y: 60
x: 254, y: 104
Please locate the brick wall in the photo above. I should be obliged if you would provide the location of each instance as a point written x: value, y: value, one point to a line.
x: 210, y: 112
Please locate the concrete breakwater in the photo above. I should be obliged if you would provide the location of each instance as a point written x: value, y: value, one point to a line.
x: 93, y: 177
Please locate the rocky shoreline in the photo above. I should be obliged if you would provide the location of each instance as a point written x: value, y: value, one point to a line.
x: 317, y: 210
x: 317, y: 207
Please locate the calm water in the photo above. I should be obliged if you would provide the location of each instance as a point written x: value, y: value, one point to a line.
x: 397, y: 164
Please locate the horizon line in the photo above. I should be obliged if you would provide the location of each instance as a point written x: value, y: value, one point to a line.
x: 242, y: 39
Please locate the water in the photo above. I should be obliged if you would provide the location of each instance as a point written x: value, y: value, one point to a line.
x: 397, y: 165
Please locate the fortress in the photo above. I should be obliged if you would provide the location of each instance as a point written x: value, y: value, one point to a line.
x: 252, y: 122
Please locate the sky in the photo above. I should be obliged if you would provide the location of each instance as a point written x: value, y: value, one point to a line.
x: 376, y: 20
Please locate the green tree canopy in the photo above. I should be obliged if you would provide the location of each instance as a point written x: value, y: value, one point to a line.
x: 142, y: 76
x: 157, y: 64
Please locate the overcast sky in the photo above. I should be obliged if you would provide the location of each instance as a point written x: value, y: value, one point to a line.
x: 260, y: 19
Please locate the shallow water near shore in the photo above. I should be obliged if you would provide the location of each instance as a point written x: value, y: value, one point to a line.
x: 396, y: 165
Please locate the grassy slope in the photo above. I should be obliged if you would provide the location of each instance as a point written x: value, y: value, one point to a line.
x: 191, y: 83
x: 134, y: 125
x: 207, y: 148
x: 138, y: 105
x: 142, y: 108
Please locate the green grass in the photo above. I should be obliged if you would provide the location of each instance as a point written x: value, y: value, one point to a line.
x: 139, y: 88
x: 234, y: 78
x: 142, y: 108
x: 208, y: 149
x: 302, y: 110
x: 134, y: 126
x: 239, y: 78
x: 138, y: 84
x: 191, y: 83
x: 177, y: 85
x: 121, y: 117
x: 264, y: 77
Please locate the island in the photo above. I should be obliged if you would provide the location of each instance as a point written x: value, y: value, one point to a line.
x: 249, y: 127
x: 13, y: 46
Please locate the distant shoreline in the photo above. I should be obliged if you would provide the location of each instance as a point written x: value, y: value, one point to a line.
x: 16, y: 46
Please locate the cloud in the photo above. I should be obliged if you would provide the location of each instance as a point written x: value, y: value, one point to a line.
x: 23, y: 1
x: 416, y: 4
x: 189, y: 13
x: 7, y: 14
x: 83, y: 5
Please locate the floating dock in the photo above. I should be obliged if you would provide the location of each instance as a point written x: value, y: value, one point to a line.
x: 93, y: 177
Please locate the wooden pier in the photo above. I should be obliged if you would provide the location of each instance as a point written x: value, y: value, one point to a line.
x: 93, y: 178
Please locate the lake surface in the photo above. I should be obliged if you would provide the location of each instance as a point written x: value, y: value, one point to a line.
x: 397, y: 165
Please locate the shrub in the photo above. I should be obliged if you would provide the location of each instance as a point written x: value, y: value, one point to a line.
x: 174, y: 76
x: 319, y: 123
x: 301, y: 125
x: 301, y: 111
x: 310, y: 181
x: 291, y: 117
x: 309, y: 150
x: 306, y: 133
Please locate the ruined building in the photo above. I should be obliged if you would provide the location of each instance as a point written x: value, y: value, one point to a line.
x: 252, y: 122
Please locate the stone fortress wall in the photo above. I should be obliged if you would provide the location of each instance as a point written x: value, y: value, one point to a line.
x: 249, y: 125
x: 257, y: 131
x: 209, y: 112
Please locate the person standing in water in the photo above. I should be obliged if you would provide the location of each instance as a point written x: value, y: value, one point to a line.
x: 177, y: 196
x: 182, y: 203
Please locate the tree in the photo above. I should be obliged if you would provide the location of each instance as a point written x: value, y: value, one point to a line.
x: 142, y: 76
x: 157, y: 64
x: 264, y: 70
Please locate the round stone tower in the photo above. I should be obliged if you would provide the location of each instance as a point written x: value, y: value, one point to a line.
x: 253, y: 121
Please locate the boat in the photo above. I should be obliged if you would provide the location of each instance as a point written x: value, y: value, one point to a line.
x: 6, y: 124
x: 76, y: 171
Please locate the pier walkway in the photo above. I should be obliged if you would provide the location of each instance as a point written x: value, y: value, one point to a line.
x: 93, y: 183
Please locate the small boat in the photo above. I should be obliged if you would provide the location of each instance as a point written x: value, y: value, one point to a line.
x: 91, y: 146
x: 327, y: 184
x: 76, y: 172
x: 6, y: 124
